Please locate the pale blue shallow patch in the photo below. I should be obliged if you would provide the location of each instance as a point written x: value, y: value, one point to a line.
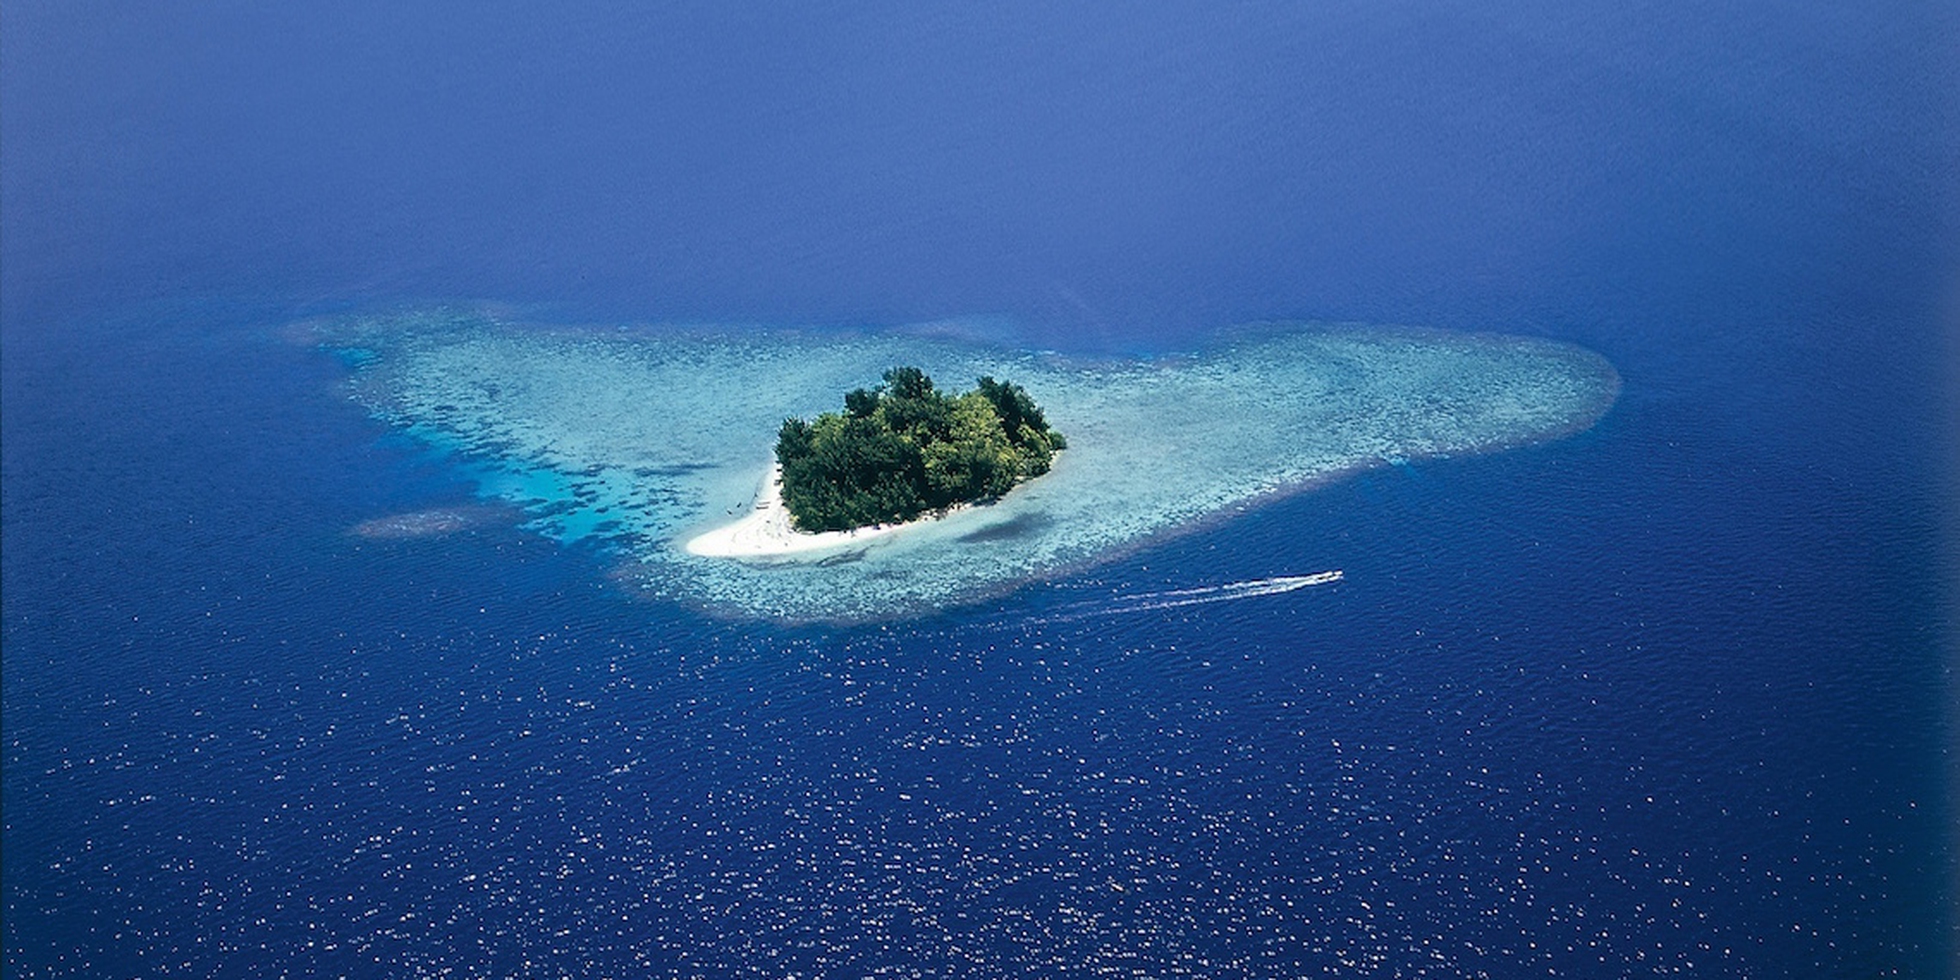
x: 641, y: 439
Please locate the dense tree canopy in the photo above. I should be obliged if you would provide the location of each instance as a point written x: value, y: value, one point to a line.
x: 904, y: 448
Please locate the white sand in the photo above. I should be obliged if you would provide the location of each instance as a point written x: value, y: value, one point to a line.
x: 766, y: 532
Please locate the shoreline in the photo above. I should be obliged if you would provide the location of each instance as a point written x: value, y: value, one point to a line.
x: 766, y: 531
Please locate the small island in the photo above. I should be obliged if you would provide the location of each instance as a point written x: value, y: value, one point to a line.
x: 904, y: 448
x: 659, y: 444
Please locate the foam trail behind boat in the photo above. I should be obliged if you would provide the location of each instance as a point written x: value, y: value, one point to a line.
x: 1173, y: 598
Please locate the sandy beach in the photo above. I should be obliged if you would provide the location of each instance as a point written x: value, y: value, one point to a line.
x: 767, y: 533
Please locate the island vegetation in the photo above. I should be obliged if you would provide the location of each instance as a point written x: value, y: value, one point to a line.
x: 904, y: 448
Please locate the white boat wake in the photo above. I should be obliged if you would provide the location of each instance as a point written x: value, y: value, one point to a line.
x: 1173, y: 598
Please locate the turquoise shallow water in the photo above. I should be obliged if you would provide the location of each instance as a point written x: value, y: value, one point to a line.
x: 640, y: 439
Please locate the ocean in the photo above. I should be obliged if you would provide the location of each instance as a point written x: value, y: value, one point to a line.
x: 1668, y: 695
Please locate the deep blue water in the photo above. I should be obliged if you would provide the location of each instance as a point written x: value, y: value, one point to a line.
x: 1670, y: 696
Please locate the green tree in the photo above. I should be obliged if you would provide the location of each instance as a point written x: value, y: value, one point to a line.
x: 904, y: 448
